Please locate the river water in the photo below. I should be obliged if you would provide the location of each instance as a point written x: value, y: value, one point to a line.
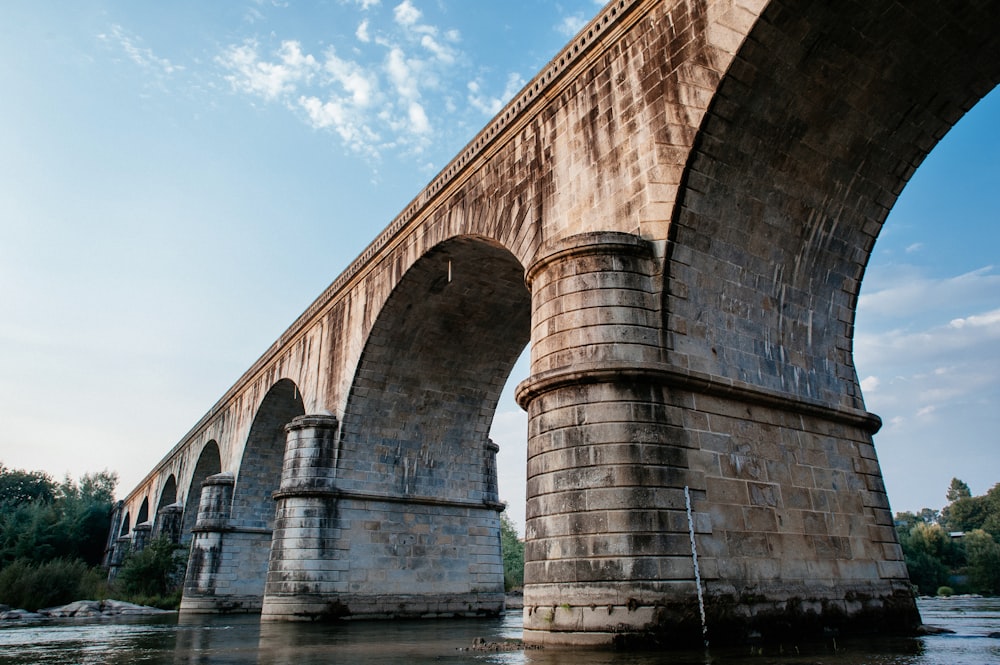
x: 217, y: 640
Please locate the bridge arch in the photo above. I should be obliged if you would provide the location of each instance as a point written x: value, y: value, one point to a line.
x: 819, y: 123
x: 409, y: 494
x: 432, y: 369
x: 143, y: 515
x: 260, y: 466
x: 209, y: 463
x: 168, y: 494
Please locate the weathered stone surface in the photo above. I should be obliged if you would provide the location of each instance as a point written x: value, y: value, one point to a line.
x: 676, y: 214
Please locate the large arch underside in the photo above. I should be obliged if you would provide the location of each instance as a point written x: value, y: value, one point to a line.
x: 824, y: 115
x: 260, y: 467
x: 209, y: 463
x: 428, y: 383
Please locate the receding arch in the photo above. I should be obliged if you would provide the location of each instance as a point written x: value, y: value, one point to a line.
x: 126, y: 525
x: 168, y: 495
x: 822, y: 118
x: 432, y: 370
x: 209, y: 463
x: 260, y: 468
x: 143, y: 515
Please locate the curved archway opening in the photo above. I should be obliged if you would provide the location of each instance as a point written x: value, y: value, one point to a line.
x: 209, y: 463
x: 415, y: 449
x: 432, y: 371
x: 928, y: 320
x: 126, y: 525
x: 823, y: 117
x: 260, y: 468
x: 168, y: 495
x: 143, y: 515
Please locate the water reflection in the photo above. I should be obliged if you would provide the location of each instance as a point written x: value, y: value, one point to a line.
x: 243, y: 639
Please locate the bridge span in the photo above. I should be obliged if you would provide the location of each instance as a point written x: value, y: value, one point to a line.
x: 676, y: 214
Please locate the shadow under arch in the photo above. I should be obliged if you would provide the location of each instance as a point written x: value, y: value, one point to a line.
x: 143, y: 515
x: 420, y: 408
x: 209, y: 463
x: 260, y: 467
x: 168, y: 495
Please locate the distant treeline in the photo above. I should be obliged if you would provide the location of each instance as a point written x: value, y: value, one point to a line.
x: 955, y: 549
x: 52, y: 538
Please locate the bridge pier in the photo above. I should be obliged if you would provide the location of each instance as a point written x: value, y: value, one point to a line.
x: 606, y: 536
x: 355, y: 553
x: 227, y: 563
x: 790, y: 518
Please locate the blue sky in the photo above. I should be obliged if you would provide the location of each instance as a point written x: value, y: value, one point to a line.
x: 178, y: 181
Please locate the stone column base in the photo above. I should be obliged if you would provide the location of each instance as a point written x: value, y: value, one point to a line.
x: 306, y: 607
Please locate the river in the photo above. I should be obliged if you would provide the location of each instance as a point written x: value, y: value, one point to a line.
x: 217, y: 640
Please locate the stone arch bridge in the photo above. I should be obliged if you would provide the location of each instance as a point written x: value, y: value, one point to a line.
x: 676, y: 214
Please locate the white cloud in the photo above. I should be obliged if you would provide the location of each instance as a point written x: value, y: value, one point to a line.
x: 905, y: 292
x: 570, y: 25
x: 440, y: 51
x: 491, y: 105
x: 406, y: 14
x: 358, y: 82
x: 915, y: 247
x: 362, y: 32
x: 989, y: 320
x: 400, y: 71
x: 419, y: 123
x: 270, y: 80
x: 381, y: 98
x: 869, y: 384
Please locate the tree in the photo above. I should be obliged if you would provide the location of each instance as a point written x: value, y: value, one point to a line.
x: 512, y: 549
x: 983, y: 554
x: 925, y: 547
x: 41, y: 521
x: 958, y: 490
x: 991, y: 524
x: 18, y: 487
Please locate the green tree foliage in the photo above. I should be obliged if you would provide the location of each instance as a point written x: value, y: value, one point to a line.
x: 958, y: 490
x: 983, y: 555
x: 154, y: 573
x: 958, y: 546
x: 925, y: 547
x: 513, y: 555
x: 18, y: 487
x: 41, y: 521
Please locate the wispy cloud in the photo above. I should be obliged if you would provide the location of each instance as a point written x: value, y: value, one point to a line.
x: 131, y: 45
x: 375, y: 99
x: 272, y: 80
x: 907, y: 291
x: 491, y: 105
x: 572, y: 24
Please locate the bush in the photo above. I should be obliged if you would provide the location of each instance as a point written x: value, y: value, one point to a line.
x: 945, y: 591
x: 156, y: 571
x: 32, y: 586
